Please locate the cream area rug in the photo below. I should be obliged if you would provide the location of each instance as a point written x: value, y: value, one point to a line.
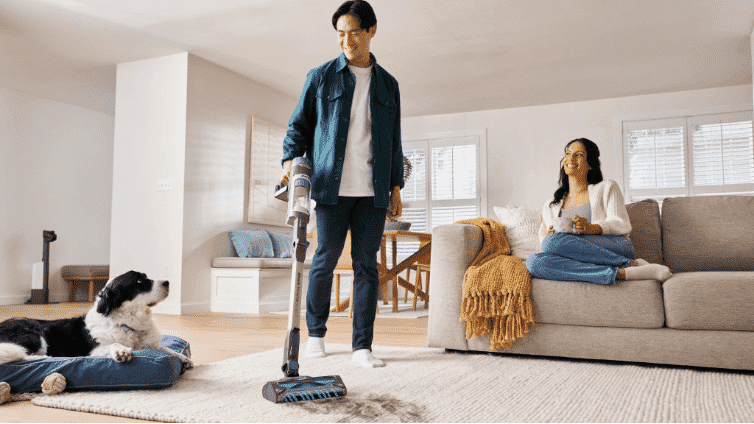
x: 405, y: 310
x: 432, y: 385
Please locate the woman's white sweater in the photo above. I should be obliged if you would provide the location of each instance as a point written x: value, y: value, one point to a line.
x: 607, y: 205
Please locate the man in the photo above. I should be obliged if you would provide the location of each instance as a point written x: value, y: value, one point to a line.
x: 348, y: 122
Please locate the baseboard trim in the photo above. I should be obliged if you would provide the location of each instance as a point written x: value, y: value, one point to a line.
x: 16, y: 299
x: 194, y: 308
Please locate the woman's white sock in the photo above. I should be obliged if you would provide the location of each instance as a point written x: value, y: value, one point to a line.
x: 315, y: 347
x: 641, y: 262
x: 365, y: 358
x: 648, y: 272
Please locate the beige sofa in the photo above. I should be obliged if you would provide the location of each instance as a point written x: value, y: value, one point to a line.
x: 703, y: 316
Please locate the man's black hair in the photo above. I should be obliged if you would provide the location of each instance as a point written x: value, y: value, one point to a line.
x: 359, y: 9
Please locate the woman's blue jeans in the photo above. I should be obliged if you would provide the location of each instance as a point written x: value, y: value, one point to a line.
x: 367, y: 224
x: 147, y: 369
x: 589, y: 258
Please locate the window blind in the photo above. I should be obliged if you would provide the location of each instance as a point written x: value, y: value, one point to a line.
x: 656, y: 158
x: 443, y: 186
x: 723, y: 154
x: 454, y: 172
x: 705, y: 154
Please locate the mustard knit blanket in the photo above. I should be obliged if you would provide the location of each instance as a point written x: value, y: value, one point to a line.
x: 496, y: 290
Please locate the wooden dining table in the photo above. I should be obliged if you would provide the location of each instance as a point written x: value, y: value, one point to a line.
x: 392, y: 273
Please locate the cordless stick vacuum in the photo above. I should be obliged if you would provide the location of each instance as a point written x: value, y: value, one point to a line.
x: 295, y: 388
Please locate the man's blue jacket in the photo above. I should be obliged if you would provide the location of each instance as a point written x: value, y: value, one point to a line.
x: 319, y: 128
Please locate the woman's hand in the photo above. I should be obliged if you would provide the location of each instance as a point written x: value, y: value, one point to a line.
x: 581, y: 225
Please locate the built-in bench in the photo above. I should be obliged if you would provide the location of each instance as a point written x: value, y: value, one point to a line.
x: 257, y: 285
x: 253, y: 285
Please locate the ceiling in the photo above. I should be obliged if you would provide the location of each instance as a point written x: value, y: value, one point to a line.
x: 448, y: 55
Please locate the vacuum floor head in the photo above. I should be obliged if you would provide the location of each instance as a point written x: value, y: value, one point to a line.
x: 296, y: 389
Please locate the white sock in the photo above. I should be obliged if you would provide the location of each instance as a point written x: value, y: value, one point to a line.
x: 648, y: 272
x: 641, y: 262
x: 315, y: 347
x: 365, y: 358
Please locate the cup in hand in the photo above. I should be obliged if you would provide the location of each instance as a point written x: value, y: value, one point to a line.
x: 563, y: 225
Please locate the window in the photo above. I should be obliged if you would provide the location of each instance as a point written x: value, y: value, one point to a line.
x: 692, y: 155
x: 448, y: 181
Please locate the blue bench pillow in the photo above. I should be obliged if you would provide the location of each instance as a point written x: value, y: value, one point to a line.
x: 282, y: 244
x: 252, y: 243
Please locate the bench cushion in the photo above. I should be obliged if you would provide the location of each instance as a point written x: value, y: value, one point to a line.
x: 234, y: 262
x: 634, y: 303
x: 710, y: 301
x: 85, y: 271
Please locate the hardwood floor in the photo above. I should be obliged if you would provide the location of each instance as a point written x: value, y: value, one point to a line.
x: 213, y: 337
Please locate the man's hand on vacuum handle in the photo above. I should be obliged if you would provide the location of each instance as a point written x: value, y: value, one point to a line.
x: 286, y: 172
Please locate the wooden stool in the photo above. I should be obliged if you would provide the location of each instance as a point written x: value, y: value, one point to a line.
x: 88, y: 273
x: 419, y: 268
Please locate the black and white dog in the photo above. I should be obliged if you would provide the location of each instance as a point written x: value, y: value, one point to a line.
x: 119, y: 321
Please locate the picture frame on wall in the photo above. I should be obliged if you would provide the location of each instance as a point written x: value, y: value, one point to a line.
x: 264, y: 173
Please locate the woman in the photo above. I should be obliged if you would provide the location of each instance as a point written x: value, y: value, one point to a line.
x: 599, y: 250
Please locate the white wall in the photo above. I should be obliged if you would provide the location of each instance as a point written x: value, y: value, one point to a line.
x: 146, y: 232
x: 220, y: 106
x: 182, y: 118
x: 55, y: 174
x: 525, y: 145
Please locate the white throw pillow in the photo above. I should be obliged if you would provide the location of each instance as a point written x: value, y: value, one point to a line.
x: 521, y: 226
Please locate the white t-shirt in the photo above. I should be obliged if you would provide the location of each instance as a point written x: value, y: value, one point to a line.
x: 356, y: 179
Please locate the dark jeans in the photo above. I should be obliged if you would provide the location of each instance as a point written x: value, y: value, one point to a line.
x: 367, y: 224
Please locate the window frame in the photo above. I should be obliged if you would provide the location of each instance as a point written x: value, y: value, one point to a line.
x: 619, y: 127
x: 444, y: 139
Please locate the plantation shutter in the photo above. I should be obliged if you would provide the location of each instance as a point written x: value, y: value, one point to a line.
x: 655, y: 158
x: 722, y: 153
x: 444, y: 184
x: 694, y: 155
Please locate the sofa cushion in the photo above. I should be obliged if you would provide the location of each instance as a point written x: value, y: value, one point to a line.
x: 710, y: 301
x: 635, y: 303
x: 646, y: 230
x: 708, y: 233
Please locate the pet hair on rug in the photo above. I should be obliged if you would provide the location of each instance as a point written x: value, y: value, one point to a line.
x: 372, y: 409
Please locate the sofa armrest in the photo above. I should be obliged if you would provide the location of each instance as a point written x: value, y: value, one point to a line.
x: 454, y: 247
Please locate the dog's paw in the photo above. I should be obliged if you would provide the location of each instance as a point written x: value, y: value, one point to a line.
x: 187, y: 364
x: 120, y: 353
x: 53, y: 384
x: 4, y: 392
